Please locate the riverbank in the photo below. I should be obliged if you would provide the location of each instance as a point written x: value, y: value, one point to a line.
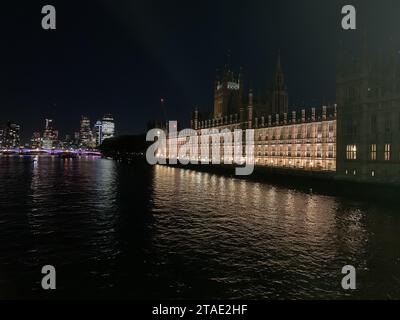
x: 129, y: 150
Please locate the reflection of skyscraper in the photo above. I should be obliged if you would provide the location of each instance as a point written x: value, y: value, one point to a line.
x: 108, y: 127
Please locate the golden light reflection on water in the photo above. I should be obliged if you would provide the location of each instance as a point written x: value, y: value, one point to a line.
x: 298, y: 234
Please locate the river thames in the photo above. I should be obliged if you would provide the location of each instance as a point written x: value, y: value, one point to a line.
x: 116, y: 230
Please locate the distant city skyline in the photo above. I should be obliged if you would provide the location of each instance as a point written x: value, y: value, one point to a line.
x: 88, y: 135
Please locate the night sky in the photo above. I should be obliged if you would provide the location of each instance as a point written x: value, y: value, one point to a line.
x: 121, y: 56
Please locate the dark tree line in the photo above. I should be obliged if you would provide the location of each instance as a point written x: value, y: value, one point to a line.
x: 125, y: 147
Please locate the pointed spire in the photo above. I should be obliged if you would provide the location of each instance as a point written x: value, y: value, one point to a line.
x: 279, y: 100
x: 279, y: 77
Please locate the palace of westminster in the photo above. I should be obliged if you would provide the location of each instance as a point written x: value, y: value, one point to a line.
x: 358, y: 138
x: 304, y: 139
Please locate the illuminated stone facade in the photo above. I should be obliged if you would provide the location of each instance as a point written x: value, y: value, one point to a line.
x: 299, y: 140
x: 358, y: 138
x: 304, y: 139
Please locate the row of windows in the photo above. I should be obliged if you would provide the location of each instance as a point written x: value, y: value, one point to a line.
x: 354, y: 172
x: 293, y: 133
x: 351, y: 152
x: 330, y: 155
x: 353, y: 93
x: 387, y: 123
x: 352, y: 125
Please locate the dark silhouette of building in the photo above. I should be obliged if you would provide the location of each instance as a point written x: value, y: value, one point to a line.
x: 368, y: 97
x: 278, y: 96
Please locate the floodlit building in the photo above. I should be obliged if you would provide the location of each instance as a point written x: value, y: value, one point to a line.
x: 108, y: 127
x: 304, y: 138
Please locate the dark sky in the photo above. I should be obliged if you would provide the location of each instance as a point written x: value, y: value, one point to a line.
x: 120, y: 57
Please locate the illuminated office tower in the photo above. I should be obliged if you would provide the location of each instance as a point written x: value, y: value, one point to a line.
x: 48, y: 131
x: 50, y: 136
x: 98, y: 134
x: 36, y: 141
x: 108, y: 127
x: 10, y: 136
x: 76, y: 138
x: 85, y: 133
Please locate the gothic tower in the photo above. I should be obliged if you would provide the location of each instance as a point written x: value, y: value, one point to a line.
x: 228, y: 92
x: 278, y: 94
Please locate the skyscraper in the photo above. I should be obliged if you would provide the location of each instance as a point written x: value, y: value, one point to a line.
x: 50, y: 136
x: 85, y: 133
x: 98, y: 127
x: 9, y: 136
x: 36, y: 141
x: 108, y: 127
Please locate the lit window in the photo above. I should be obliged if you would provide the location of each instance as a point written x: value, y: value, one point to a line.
x: 309, y: 131
x: 330, y: 151
x: 319, y: 152
x: 351, y: 152
x: 319, y: 129
x: 373, y: 152
x: 373, y: 173
x: 387, y: 152
x: 331, y: 132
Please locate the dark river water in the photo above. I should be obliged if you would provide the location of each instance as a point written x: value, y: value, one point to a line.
x: 116, y: 230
